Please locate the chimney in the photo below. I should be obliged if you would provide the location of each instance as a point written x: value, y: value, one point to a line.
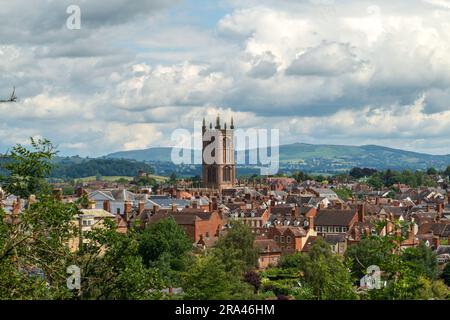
x: 439, y: 208
x: 389, y: 225
x: 91, y: 204
x: 411, y: 232
x: 80, y: 192
x: 128, y: 207
x: 293, y: 212
x: 356, y: 234
x: 107, y: 205
x: 214, y: 202
x: 310, y: 222
x: 16, y: 207
x: 361, y: 212
x: 141, y: 207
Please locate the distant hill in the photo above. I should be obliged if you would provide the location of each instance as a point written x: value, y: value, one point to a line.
x: 152, y: 154
x: 323, y: 158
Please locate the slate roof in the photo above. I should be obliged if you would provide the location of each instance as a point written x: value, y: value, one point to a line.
x: 328, y: 217
x: 267, y: 245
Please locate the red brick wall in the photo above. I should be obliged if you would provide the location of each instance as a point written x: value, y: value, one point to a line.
x: 208, y: 226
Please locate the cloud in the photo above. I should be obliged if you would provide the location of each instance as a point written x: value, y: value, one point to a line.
x: 321, y: 71
x: 327, y: 59
x: 263, y: 66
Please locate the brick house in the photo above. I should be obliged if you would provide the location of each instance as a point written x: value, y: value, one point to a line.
x: 330, y: 221
x: 198, y: 225
x: 289, y: 238
x: 269, y: 252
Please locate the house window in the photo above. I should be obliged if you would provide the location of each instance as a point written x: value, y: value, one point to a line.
x: 207, y: 235
x: 118, y: 210
x: 336, y: 229
x: 282, y: 239
x: 319, y: 229
x: 288, y: 239
x: 275, y: 238
x: 344, y: 229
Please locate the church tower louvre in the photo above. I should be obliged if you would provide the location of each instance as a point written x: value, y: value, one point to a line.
x: 221, y: 172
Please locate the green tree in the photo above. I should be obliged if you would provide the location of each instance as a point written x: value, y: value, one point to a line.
x: 375, y: 182
x: 326, y: 274
x: 164, y: 245
x: 35, y: 251
x: 446, y: 274
x: 27, y: 169
x: 208, y: 279
x: 34, y: 243
x: 422, y: 260
x: 113, y: 269
x: 236, y: 248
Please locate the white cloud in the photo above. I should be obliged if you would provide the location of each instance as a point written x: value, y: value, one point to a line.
x: 320, y: 70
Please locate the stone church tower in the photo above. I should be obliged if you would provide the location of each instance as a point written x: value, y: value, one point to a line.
x: 221, y: 174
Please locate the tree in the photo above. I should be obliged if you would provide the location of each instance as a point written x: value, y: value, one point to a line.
x: 173, y: 178
x: 375, y: 182
x: 446, y: 274
x: 422, y: 260
x: 33, y: 251
x: 27, y: 169
x: 236, y: 248
x: 369, y: 251
x: 326, y: 274
x: 295, y: 260
x: 35, y: 246
x: 208, y: 279
x: 164, y: 245
x: 253, y: 278
x: 113, y: 269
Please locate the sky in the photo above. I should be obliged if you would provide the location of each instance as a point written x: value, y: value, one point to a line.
x: 320, y: 71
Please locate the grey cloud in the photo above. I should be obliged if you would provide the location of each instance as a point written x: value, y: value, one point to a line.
x: 264, y: 66
x: 327, y: 59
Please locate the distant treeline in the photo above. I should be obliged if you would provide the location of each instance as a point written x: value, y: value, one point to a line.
x: 75, y: 167
x: 99, y: 167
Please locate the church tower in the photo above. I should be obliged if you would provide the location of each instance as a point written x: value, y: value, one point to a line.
x: 220, y: 174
